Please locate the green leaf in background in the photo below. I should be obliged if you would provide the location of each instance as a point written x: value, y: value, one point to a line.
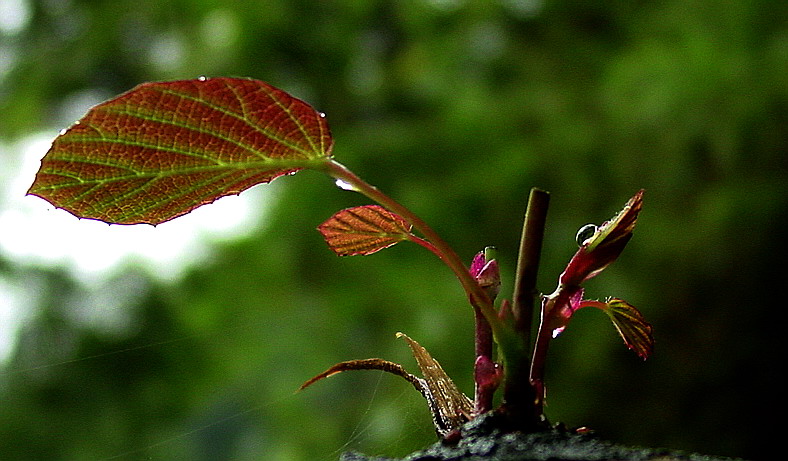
x: 165, y: 148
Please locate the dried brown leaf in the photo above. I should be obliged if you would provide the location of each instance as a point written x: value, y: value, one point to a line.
x: 367, y: 364
x: 450, y: 407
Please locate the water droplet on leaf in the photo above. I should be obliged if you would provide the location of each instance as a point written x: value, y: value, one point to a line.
x: 344, y: 185
x: 585, y: 233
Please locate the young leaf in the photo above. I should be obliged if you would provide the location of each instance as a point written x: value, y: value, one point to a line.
x: 599, y: 247
x: 364, y: 230
x: 604, y: 246
x: 630, y: 324
x: 166, y: 148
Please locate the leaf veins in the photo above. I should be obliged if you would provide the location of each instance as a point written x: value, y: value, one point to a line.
x: 165, y: 148
x: 364, y: 230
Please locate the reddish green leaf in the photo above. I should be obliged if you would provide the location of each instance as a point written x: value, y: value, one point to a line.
x: 364, y: 230
x: 630, y: 324
x: 605, y: 245
x: 620, y: 226
x: 163, y: 149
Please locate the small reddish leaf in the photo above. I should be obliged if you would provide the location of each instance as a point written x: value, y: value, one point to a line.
x: 620, y: 226
x: 488, y: 376
x: 166, y: 148
x: 364, y: 230
x: 630, y: 324
x: 604, y: 246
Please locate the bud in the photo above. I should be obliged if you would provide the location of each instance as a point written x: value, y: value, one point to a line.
x: 485, y: 270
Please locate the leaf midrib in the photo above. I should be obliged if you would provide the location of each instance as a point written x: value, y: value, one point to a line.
x: 252, y: 167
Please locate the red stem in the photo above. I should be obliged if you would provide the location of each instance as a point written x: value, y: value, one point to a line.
x: 434, y: 242
x: 486, y: 376
x: 551, y: 305
x: 537, y: 371
x: 484, y: 371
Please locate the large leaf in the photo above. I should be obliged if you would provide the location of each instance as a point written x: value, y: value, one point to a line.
x: 163, y: 149
x: 363, y: 230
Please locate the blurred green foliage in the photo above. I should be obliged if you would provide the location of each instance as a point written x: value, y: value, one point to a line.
x: 456, y: 108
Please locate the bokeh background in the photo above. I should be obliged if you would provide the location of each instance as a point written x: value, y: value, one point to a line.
x: 456, y: 108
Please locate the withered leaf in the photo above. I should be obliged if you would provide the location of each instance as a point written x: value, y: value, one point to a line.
x: 367, y: 364
x: 450, y: 407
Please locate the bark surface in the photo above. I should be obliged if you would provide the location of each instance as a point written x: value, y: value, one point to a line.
x: 482, y: 439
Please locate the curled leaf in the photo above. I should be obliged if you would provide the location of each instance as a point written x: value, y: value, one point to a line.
x: 364, y: 230
x: 450, y: 408
x: 603, y: 247
x: 630, y: 324
x: 367, y: 364
x: 163, y: 149
x: 621, y: 226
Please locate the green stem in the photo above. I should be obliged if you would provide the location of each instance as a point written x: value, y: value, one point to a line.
x: 522, y: 403
x: 525, y: 291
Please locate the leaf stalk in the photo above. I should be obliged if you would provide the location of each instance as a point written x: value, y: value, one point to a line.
x: 477, y: 296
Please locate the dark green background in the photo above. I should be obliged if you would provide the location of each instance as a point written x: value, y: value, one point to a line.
x: 456, y: 108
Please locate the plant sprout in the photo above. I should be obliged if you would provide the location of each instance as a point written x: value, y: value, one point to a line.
x: 163, y: 149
